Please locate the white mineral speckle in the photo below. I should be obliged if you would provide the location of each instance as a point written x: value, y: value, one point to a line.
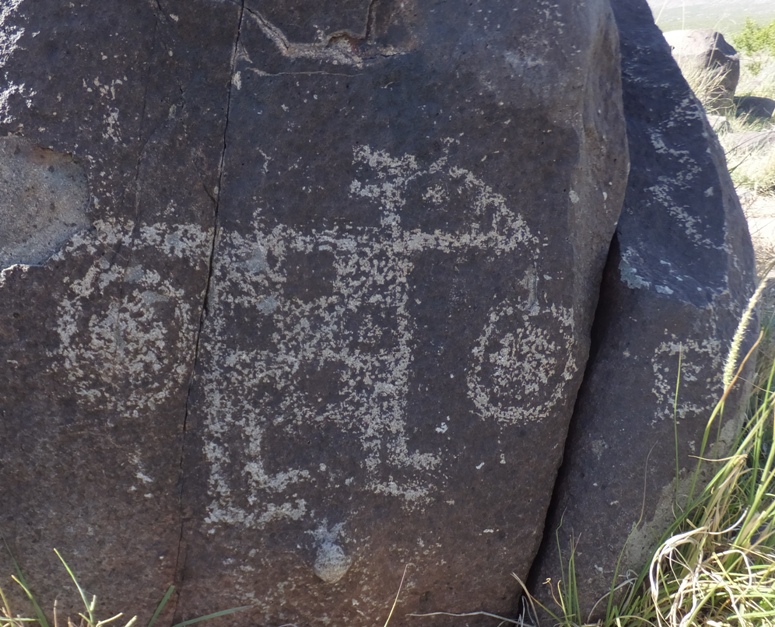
x: 629, y: 274
x: 9, y: 43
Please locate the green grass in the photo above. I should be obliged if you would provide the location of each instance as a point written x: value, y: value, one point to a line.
x: 728, y: 17
x: 89, y: 617
x: 715, y: 565
x: 755, y: 38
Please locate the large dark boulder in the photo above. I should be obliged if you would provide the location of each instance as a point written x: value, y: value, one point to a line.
x: 297, y: 295
x: 412, y: 225
x: 755, y: 107
x: 303, y: 295
x: 113, y: 117
x: 678, y: 277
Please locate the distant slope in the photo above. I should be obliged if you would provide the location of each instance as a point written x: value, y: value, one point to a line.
x: 726, y: 16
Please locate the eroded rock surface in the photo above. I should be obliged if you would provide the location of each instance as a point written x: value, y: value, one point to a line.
x: 318, y: 298
x: 322, y: 304
x: 412, y: 225
x: 43, y: 201
x: 678, y: 277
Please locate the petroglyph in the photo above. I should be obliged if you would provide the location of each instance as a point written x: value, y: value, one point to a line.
x: 521, y: 361
x: 133, y: 316
x: 699, y: 362
x: 666, y: 190
x: 334, y: 355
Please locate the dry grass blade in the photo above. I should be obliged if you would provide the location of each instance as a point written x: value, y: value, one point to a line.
x: 503, y: 619
x: 716, y: 565
x: 88, y: 618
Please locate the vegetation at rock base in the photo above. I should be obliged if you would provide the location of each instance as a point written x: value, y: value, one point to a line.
x: 747, y: 134
x: 716, y: 564
x: 89, y: 616
x: 756, y: 38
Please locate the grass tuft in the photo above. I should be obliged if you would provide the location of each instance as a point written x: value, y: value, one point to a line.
x: 87, y: 618
x: 716, y: 564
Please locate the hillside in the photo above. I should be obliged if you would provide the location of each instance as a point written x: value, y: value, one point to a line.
x: 726, y: 16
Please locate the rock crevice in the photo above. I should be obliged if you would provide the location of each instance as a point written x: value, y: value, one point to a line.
x: 181, y: 550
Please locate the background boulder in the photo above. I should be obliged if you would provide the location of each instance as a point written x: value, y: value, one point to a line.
x: 755, y: 107
x: 710, y: 64
x: 678, y: 277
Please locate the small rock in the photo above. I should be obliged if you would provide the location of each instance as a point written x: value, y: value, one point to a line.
x: 709, y: 64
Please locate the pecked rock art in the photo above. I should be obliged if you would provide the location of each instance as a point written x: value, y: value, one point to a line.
x: 129, y: 317
x: 380, y: 360
x: 111, y: 132
x: 399, y: 306
x: 296, y: 297
x: 322, y: 304
x: 340, y: 350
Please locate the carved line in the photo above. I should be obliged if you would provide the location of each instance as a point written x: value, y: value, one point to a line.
x: 339, y: 49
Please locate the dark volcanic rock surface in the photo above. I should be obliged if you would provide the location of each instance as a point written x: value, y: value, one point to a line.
x: 296, y: 294
x: 312, y: 294
x: 678, y: 277
x: 755, y: 107
x: 414, y: 212
x: 116, y: 114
